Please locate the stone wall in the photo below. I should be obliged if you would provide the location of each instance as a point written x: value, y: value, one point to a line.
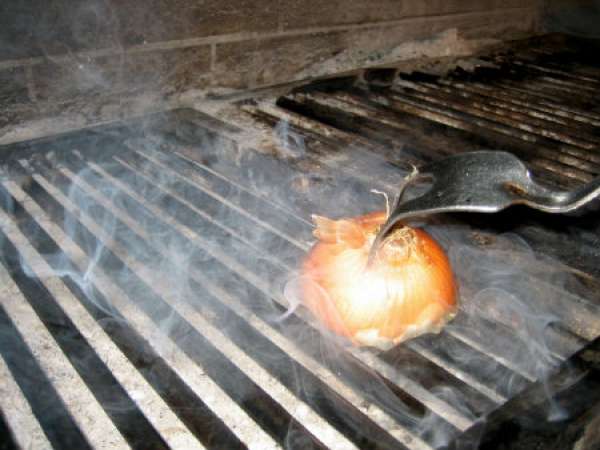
x: 97, y: 60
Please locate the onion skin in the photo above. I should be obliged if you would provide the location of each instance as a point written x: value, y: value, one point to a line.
x: 409, y: 290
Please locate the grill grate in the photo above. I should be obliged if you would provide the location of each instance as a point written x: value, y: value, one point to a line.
x: 143, y: 266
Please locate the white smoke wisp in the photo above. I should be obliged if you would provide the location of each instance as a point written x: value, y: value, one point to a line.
x: 519, y: 317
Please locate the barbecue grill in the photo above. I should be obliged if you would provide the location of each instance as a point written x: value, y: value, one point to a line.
x: 147, y: 266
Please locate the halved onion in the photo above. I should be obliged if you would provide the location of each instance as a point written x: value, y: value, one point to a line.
x: 407, y: 291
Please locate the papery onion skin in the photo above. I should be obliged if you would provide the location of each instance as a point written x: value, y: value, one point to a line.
x: 408, y: 291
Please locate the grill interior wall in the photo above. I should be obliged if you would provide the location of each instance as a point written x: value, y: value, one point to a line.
x: 104, y: 60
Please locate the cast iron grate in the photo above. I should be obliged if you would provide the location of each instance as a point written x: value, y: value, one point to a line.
x: 144, y: 265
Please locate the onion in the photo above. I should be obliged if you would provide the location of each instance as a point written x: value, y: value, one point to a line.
x: 407, y: 291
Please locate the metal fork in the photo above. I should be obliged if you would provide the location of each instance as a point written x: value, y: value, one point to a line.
x: 484, y: 182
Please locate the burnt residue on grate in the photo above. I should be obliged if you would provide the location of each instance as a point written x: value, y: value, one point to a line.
x: 149, y: 267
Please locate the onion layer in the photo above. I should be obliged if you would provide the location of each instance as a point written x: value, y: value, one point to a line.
x: 408, y: 290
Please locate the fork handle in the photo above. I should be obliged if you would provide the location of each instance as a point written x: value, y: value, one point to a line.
x: 545, y: 200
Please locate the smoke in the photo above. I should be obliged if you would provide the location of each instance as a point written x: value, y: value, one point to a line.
x: 196, y: 241
x: 289, y: 141
x: 508, y: 309
x: 514, y: 324
x: 59, y: 265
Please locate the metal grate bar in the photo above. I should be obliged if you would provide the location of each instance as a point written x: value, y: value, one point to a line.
x: 568, y: 347
x: 268, y: 288
x: 534, y: 108
x: 458, y: 119
x: 161, y: 378
x: 380, y: 430
x: 249, y: 366
x: 540, y: 162
x: 179, y: 397
x: 259, y: 284
x: 544, y: 68
x: 110, y: 395
x: 546, y: 96
x: 195, y: 346
x: 515, y: 117
x: 582, y: 314
x: 460, y: 375
x: 60, y: 427
x: 457, y: 332
x: 19, y: 428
